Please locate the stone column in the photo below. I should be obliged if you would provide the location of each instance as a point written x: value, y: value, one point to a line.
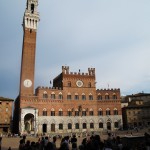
x: 40, y: 128
x: 105, y: 126
x: 112, y: 126
x: 48, y: 128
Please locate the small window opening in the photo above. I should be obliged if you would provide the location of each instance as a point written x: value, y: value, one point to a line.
x: 32, y: 8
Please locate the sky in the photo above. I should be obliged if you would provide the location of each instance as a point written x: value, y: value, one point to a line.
x: 112, y: 36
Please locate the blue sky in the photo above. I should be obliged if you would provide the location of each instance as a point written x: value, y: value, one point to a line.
x: 112, y: 36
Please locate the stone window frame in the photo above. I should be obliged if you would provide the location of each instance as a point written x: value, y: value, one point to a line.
x: 69, y: 112
x: 107, y: 96
x: 44, y: 112
x: 60, y: 112
x: 91, y: 112
x: 53, y: 95
x: 69, y: 96
x: 52, y: 112
x: 83, y: 96
x: 60, y: 126
x: 76, y: 96
x: 100, y: 112
x: 114, y: 96
x: 60, y: 96
x: 108, y: 112
x: 115, y: 111
x: 90, y: 96
x: 69, y: 126
x: 45, y: 95
x: 83, y: 112
x: 99, y: 96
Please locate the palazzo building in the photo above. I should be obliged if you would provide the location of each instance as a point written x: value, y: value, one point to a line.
x: 71, y: 105
x: 6, y: 106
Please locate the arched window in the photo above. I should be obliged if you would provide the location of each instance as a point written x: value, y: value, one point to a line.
x: 83, y: 96
x: 100, y: 125
x: 44, y: 112
x: 76, y: 112
x: 52, y: 95
x: 84, y: 125
x: 45, y: 95
x: 60, y: 126
x: 89, y: 84
x: 116, y: 124
x: 91, y: 113
x: 83, y: 112
x: 69, y: 84
x: 77, y: 126
x: 90, y: 96
x: 69, y: 126
x: 108, y: 111
x: 99, y: 97
x: 69, y: 96
x: 100, y: 112
x: 69, y: 112
x: 91, y: 125
x: 106, y: 96
x: 52, y: 112
x: 32, y: 8
x: 60, y: 112
x: 115, y: 111
x: 76, y: 97
x: 60, y: 96
x: 114, y: 96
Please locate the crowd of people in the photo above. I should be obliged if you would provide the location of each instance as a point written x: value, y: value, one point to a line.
x: 94, y: 142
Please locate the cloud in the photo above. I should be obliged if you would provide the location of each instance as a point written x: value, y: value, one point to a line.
x: 111, y: 36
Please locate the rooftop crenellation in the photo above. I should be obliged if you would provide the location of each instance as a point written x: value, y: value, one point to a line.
x: 91, y: 71
x: 115, y: 89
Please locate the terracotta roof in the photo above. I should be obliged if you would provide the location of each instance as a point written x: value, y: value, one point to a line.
x: 5, y: 99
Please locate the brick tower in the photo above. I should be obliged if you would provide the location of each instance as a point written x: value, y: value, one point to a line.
x: 30, y: 22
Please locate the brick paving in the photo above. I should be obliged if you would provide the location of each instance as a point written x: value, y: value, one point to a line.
x: 13, y: 142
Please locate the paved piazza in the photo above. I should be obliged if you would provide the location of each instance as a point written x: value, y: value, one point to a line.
x: 13, y: 142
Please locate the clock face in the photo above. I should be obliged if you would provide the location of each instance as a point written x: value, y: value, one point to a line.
x: 79, y: 83
x: 27, y: 83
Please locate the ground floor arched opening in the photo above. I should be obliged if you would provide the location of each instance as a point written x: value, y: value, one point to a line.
x: 53, y: 127
x: 44, y: 128
x: 29, y: 122
x: 108, y: 126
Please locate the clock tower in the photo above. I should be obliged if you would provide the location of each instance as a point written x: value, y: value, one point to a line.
x: 30, y: 23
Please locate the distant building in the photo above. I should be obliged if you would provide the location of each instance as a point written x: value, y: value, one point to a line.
x: 71, y: 105
x: 145, y: 97
x: 137, y: 112
x: 6, y: 105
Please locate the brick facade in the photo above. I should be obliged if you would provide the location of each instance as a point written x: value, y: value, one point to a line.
x: 6, y: 106
x: 72, y: 104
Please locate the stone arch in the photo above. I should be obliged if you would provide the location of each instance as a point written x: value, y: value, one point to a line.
x: 60, y: 109
x: 101, y: 120
x: 52, y: 121
x: 69, y: 121
x: 92, y: 121
x: 61, y: 121
x: 52, y: 109
x: 100, y: 109
x: 84, y: 121
x: 44, y: 121
x: 76, y: 121
x: 29, y: 122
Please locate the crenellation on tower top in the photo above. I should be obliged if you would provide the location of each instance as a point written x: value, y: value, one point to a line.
x: 31, y: 15
x: 91, y: 71
x: 65, y: 69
